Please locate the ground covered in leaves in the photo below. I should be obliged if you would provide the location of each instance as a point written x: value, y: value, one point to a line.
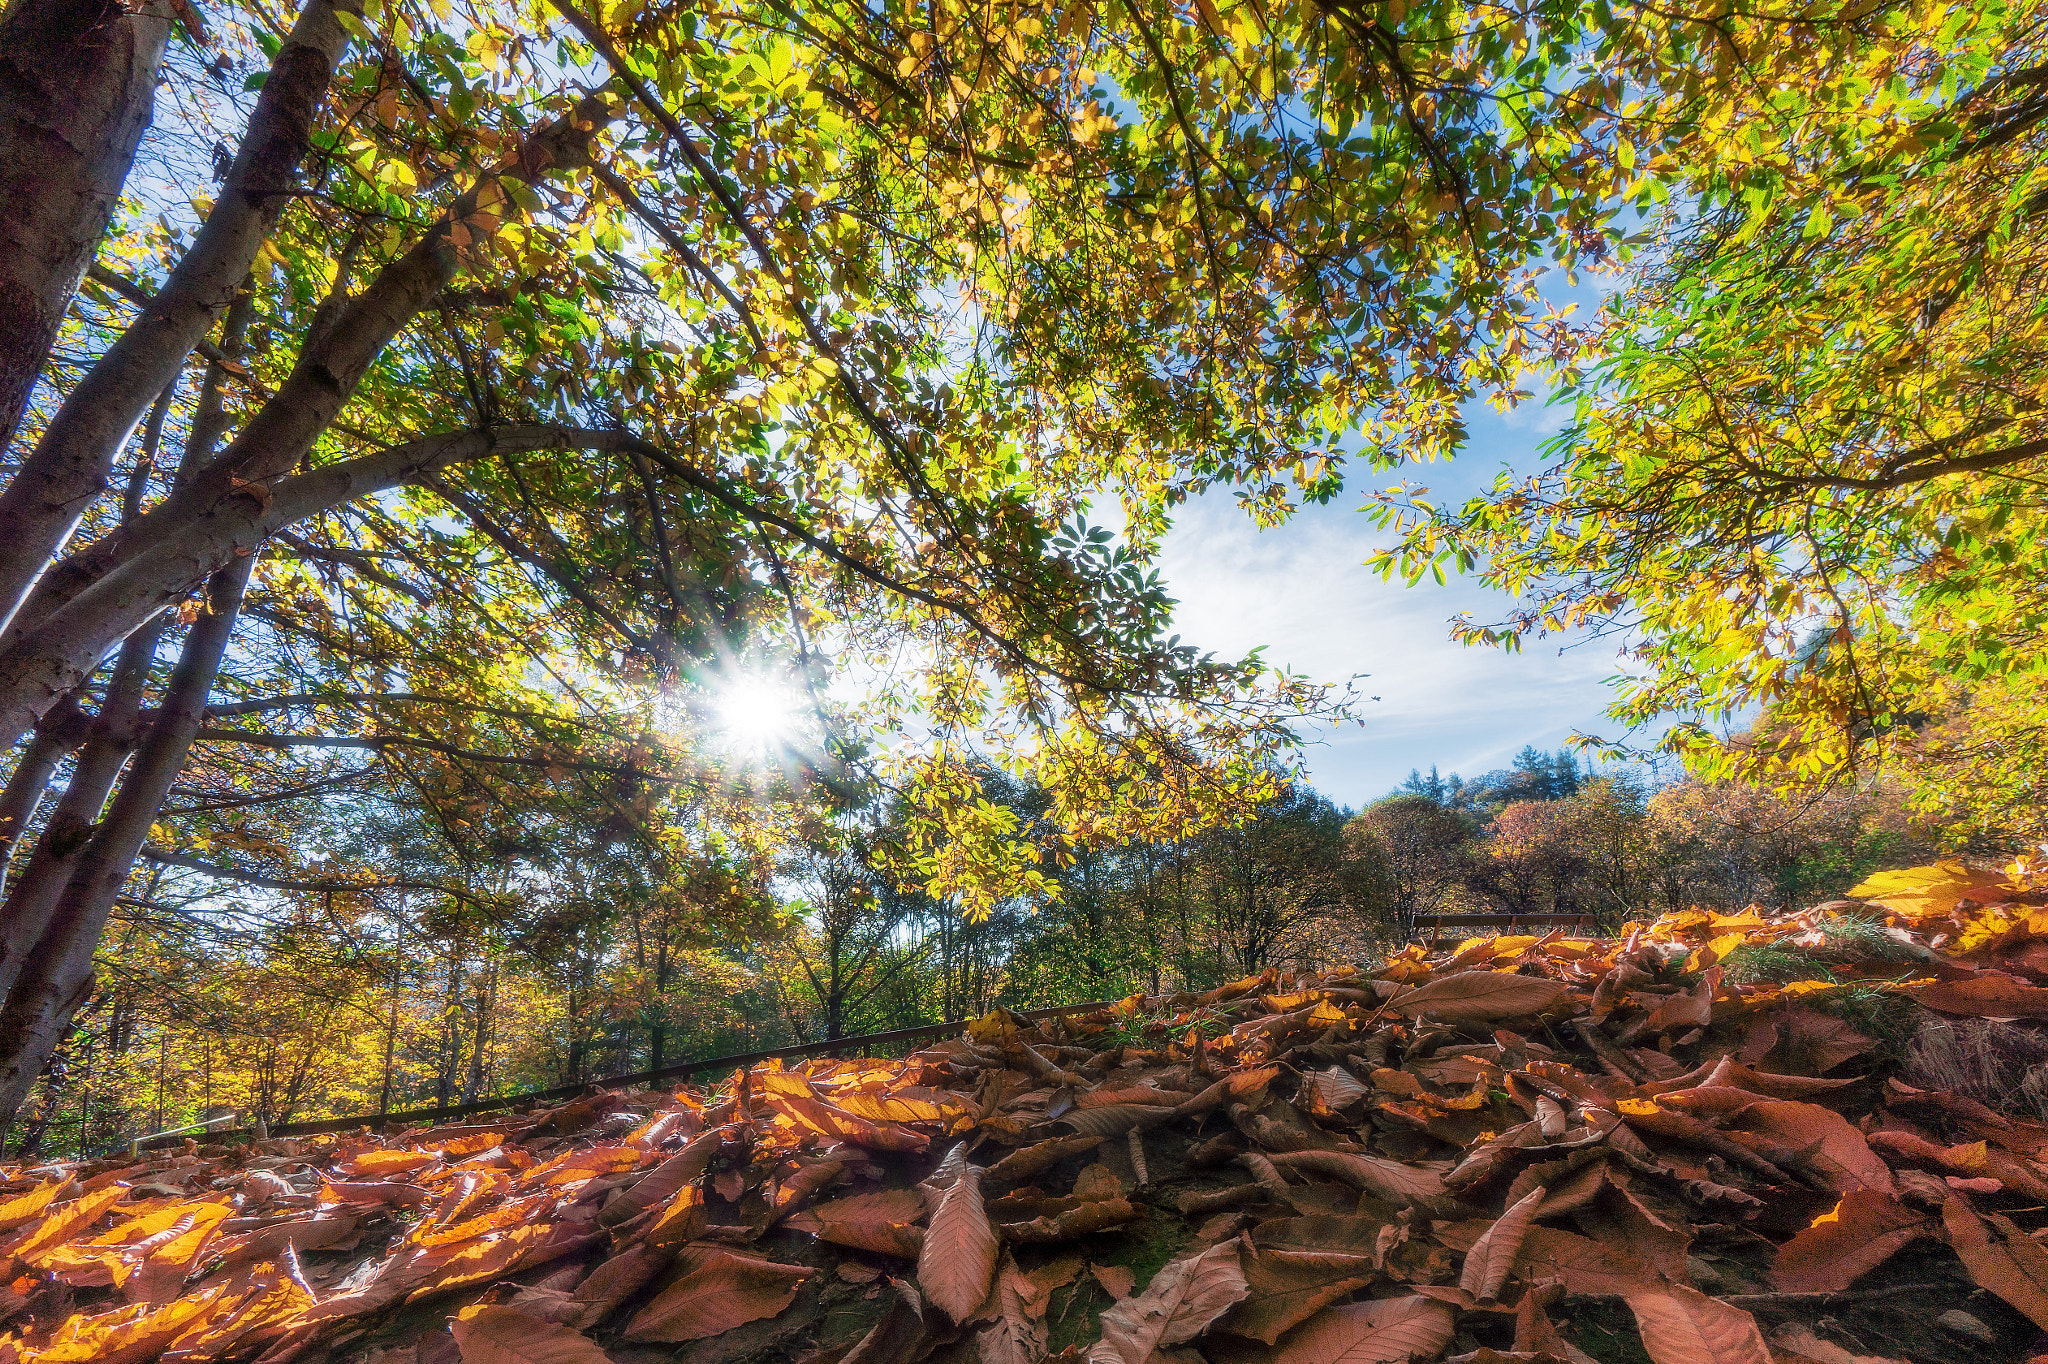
x: 1716, y: 1139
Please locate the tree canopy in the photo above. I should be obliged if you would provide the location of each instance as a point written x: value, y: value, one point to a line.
x: 1802, y: 470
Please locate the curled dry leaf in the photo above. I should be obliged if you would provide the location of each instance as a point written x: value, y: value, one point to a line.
x: 2004, y: 1261
x: 1681, y: 1325
x: 1178, y: 1305
x: 616, y: 1280
x: 23, y: 1207
x: 1116, y: 1280
x: 1991, y: 995
x: 1094, y: 1215
x: 1028, y: 1161
x: 1492, y: 1256
x: 1825, y: 1140
x: 1861, y: 1232
x: 662, y: 1183
x: 1581, y: 1264
x: 1535, y: 1335
x: 1290, y: 1286
x: 1113, y: 1120
x: 1018, y: 1333
x: 1332, y: 1091
x: 881, y: 1222
x: 1792, y: 1343
x: 1400, y: 1184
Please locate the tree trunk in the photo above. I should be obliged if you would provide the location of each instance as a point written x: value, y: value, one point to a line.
x: 58, y: 974
x: 210, y: 414
x: 69, y: 464
x: 58, y: 733
x: 450, y: 1059
x: 77, y: 89
x: 66, y: 843
x: 391, y: 1031
x: 473, y: 1083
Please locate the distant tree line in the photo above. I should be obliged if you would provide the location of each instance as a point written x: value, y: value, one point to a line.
x: 609, y: 959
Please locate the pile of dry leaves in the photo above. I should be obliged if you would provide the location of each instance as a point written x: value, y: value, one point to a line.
x: 1697, y: 1142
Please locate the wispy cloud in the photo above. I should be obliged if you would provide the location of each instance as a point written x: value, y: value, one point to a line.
x: 1303, y: 592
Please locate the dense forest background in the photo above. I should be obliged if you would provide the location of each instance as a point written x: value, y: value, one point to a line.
x: 539, y: 959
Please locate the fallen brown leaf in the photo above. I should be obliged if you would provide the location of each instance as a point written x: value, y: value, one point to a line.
x: 502, y: 1335
x: 719, y: 1290
x: 958, y: 1259
x: 1178, y: 1305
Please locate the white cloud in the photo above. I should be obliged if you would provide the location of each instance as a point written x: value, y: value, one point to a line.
x: 1303, y: 591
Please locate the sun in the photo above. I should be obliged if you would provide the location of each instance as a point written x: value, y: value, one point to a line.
x: 755, y: 713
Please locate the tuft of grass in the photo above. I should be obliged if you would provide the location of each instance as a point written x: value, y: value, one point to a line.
x: 1773, y: 963
x: 1863, y: 937
x: 1846, y: 940
x: 1146, y: 1031
x: 1885, y: 1016
x: 2001, y: 1065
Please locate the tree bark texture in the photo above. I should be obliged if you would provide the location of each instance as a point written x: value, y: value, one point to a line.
x: 62, y: 730
x: 77, y: 89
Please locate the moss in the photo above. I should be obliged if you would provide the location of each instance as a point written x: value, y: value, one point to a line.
x: 1605, y: 1331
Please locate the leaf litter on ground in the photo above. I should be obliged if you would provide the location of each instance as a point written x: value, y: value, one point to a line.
x: 1518, y: 1150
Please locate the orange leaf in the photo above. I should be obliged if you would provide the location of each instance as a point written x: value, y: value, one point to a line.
x: 2018, y: 1273
x: 1493, y: 1255
x: 1386, y: 1179
x: 390, y: 1162
x: 131, y: 1335
x: 684, y: 1219
x: 1290, y: 1286
x: 1585, y: 1266
x: 1116, y: 1280
x: 67, y: 1223
x: 19, y: 1209
x: 1860, y: 1234
x: 616, y: 1280
x: 871, y: 1221
x: 262, y: 1314
x: 1991, y: 995
x: 1843, y: 1155
x: 1681, y: 1325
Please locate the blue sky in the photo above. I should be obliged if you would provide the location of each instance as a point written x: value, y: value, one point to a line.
x: 1303, y: 591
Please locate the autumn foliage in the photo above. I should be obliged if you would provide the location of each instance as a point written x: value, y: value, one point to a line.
x: 1452, y: 1155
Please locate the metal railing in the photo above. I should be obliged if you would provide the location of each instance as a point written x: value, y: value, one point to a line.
x: 864, y: 1044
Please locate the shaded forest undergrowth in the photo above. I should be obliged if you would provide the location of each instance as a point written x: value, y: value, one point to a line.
x: 1718, y: 1137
